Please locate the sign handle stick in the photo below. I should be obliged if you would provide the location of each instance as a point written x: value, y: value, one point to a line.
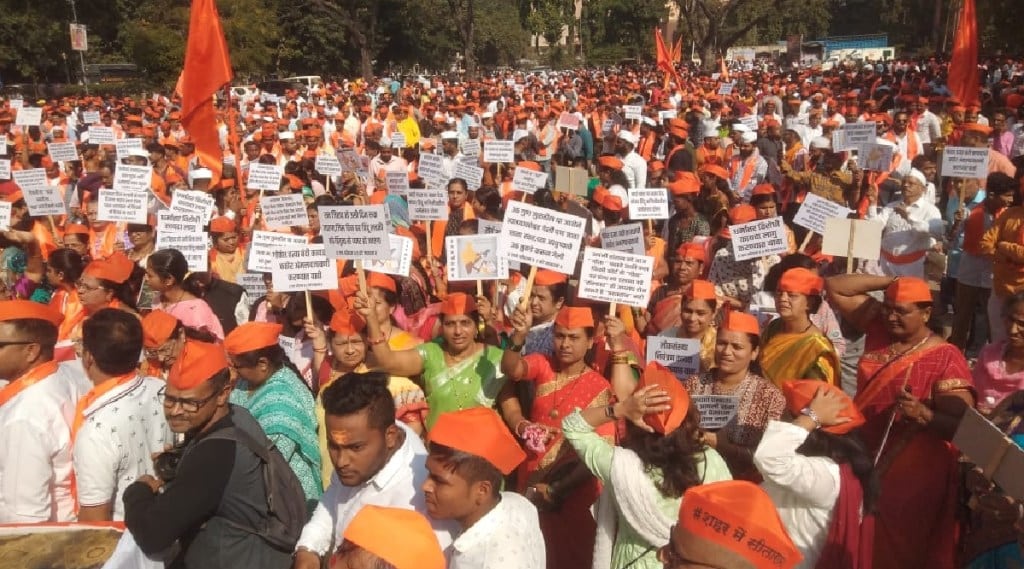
x: 807, y: 239
x: 259, y: 202
x: 849, y: 247
x: 613, y: 309
x: 529, y: 286
x: 963, y: 195
x: 362, y: 275
x: 650, y: 226
x: 309, y: 306
x: 479, y: 287
x: 327, y: 185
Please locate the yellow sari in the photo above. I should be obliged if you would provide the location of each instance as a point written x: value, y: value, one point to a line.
x: 806, y: 355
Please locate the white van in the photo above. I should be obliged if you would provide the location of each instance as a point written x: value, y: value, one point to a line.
x: 310, y: 81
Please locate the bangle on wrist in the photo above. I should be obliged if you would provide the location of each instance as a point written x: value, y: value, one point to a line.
x: 520, y: 424
x: 517, y: 348
x: 609, y: 411
x: 322, y: 350
x: 810, y: 414
x: 378, y: 341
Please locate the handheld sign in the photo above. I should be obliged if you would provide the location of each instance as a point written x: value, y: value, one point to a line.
x: 486, y: 227
x: 398, y: 140
x: 875, y: 157
x: 428, y: 205
x: 28, y: 116
x: 432, y: 170
x: 355, y: 232
x: 499, y: 151
x: 101, y: 135
x: 541, y: 237
x: 287, y: 210
x: 681, y: 355
x: 815, y: 210
x: 627, y: 238
x: 568, y: 120
x: 193, y: 201
x: 615, y: 277
x: 253, y: 284
x: 303, y: 268
x: 571, y: 180
x: 528, y: 181
x: 965, y: 162
x: 264, y: 243
x: 265, y: 177
x: 470, y: 148
x: 473, y: 175
x: 648, y: 203
x: 988, y: 447
x: 62, y: 151
x: 194, y: 246
x: 123, y: 206
x: 852, y: 136
x: 716, y: 411
x: 398, y: 183
x: 853, y: 239
x: 41, y: 198
x: 5, y: 169
x: 327, y: 165
x: 725, y: 88
x: 750, y: 121
x: 633, y: 112
x: 758, y: 238
x: 400, y: 260
x: 132, y: 178
x: 91, y: 117
x: 475, y: 258
x: 124, y: 146
x: 5, y: 215
x: 171, y: 221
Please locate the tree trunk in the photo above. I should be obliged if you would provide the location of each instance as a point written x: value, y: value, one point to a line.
x: 470, y: 37
x: 937, y: 27
x: 366, y: 62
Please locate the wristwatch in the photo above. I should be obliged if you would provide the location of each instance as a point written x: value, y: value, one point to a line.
x: 517, y: 348
x: 810, y: 414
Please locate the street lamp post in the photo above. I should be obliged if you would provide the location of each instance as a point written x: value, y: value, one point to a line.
x: 81, y: 54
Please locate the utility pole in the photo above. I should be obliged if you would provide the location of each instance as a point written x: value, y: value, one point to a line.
x: 81, y: 54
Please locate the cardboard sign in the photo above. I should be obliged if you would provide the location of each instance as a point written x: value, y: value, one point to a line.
x: 815, y: 210
x: 867, y: 238
x: 28, y: 116
x: 265, y: 177
x: 397, y: 182
x: 261, y: 258
x: 681, y: 355
x: 398, y: 140
x: 648, y: 203
x: 123, y: 206
x: 667, y: 115
x: 253, y: 284
x: 351, y: 162
x: 571, y: 180
x: 5, y: 215
x: 716, y: 410
x: 875, y: 157
x: 473, y: 175
x: 5, y: 169
x: 988, y: 447
x: 499, y: 151
x: 470, y: 148
x: 542, y: 237
x: 171, y: 221
x: 750, y: 121
x: 133, y: 178
x: 485, y: 227
x: 124, y: 146
x: 633, y: 112
x: 432, y: 169
x: 725, y: 88
x: 41, y: 198
x: 62, y: 151
x: 355, y: 232
x: 758, y: 238
x: 528, y: 181
x: 475, y: 257
x: 568, y: 120
x: 627, y: 238
x: 194, y: 246
x: 193, y: 201
x: 428, y: 205
x: 327, y: 165
x: 400, y: 260
x: 852, y: 136
x: 16, y: 104
x: 91, y: 117
x: 287, y: 210
x: 613, y: 276
x: 303, y: 268
x: 965, y: 162
x: 101, y: 135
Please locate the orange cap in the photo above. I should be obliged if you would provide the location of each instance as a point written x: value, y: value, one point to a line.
x: 802, y: 281
x: 743, y: 213
x: 222, y: 225
x: 693, y: 251
x: 458, y: 303
x: 196, y: 364
x: 701, y: 290
x: 575, y: 317
x: 756, y: 537
x: 657, y: 375
x: 157, y: 327
x: 481, y: 432
x: 906, y: 290
x: 14, y: 196
x: 715, y: 170
x: 75, y: 229
x: 685, y: 183
x: 763, y: 190
x: 975, y: 127
x: 545, y: 277
x: 800, y: 392
x: 347, y: 322
x: 655, y: 166
x: 374, y: 529
x: 252, y: 336
x: 736, y: 321
x: 116, y: 268
x: 530, y: 165
x: 382, y: 281
x: 28, y: 310
x: 610, y: 162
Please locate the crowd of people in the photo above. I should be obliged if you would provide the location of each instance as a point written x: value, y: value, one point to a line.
x: 416, y: 421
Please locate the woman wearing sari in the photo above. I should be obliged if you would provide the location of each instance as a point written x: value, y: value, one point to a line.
x: 699, y: 304
x: 458, y: 373
x: 384, y: 290
x: 103, y: 284
x: 227, y: 258
x: 912, y: 388
x: 553, y: 477
x: 62, y: 272
x: 792, y: 347
x: 663, y: 309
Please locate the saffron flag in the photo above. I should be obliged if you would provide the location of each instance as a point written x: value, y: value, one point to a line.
x: 677, y: 50
x: 664, y: 57
x: 207, y: 69
x: 963, y: 79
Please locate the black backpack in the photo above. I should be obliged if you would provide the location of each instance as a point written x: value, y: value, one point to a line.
x: 286, y: 501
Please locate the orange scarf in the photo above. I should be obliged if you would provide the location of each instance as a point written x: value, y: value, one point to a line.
x: 95, y: 393
x: 27, y: 379
x: 748, y: 171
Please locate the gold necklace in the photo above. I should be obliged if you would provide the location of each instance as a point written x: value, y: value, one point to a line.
x: 569, y: 379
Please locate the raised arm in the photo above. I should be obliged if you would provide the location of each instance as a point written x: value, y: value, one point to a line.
x: 848, y: 294
x: 405, y: 363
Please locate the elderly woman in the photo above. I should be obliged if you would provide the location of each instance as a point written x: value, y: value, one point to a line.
x: 103, y: 284
x: 163, y: 336
x: 792, y: 346
x: 1000, y: 368
x: 757, y: 400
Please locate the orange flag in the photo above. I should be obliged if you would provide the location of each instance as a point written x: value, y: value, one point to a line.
x: 677, y: 50
x: 963, y: 78
x: 723, y: 70
x: 207, y: 69
x: 663, y: 55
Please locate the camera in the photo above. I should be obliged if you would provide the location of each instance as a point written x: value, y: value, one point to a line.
x: 166, y: 463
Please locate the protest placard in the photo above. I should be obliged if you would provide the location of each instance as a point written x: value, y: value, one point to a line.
x: 750, y: 121
x: 28, y: 116
x: 350, y: 161
x: 758, y: 238
x: 607, y: 127
x: 193, y: 201
x: 568, y: 120
x: 499, y: 151
x: 399, y: 261
x: 124, y: 146
x: 473, y: 175
x: 41, y: 198
x: 355, y: 232
x: 854, y: 238
x: 327, y: 165
x: 633, y: 112
x: 5, y: 215
x: 528, y: 181
x: 398, y: 183
x: 132, y: 178
x: 475, y: 257
x: 852, y: 136
x: 427, y: 205
x: 667, y: 115
x: 470, y: 148
x: 648, y: 203
x: 172, y: 221
x: 627, y: 237
x: 616, y: 277
x: 875, y: 157
x: 253, y: 284
x: 286, y: 210
x: 123, y: 206
x: 965, y: 162
x: 194, y: 246
x: 991, y: 450
x: 91, y: 117
x: 62, y: 151
x: 725, y: 88
x: 101, y: 135
x: 571, y: 180
x: 716, y: 410
x: 486, y: 227
x: 265, y: 177
x: 432, y: 169
x: 16, y: 104
x: 681, y: 355
x: 542, y: 237
x: 5, y: 169
x: 815, y: 210
x: 398, y: 140
x: 261, y: 259
x: 305, y: 267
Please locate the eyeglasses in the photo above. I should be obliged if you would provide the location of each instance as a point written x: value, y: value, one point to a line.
x: 82, y: 287
x: 187, y: 405
x: 16, y: 343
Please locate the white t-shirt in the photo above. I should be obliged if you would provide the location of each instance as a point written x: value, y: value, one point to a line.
x: 508, y: 537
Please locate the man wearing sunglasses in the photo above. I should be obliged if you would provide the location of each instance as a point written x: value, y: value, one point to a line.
x: 37, y: 406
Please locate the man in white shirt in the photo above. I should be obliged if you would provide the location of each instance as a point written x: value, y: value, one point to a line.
x: 929, y: 126
x: 376, y: 462
x: 470, y: 453
x: 747, y: 168
x: 635, y: 166
x: 37, y: 405
x: 120, y: 423
x: 383, y: 163
x: 912, y: 226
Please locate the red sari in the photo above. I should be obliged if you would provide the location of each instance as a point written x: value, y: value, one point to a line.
x: 572, y: 526
x: 916, y: 524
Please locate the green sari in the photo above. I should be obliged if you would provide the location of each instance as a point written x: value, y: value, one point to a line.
x: 473, y: 382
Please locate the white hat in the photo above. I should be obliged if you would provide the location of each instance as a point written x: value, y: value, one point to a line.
x: 919, y: 176
x: 268, y: 119
x: 472, y: 124
x: 286, y: 135
x: 449, y: 135
x: 748, y: 137
x: 519, y: 135
x: 740, y: 127
x: 710, y: 129
x: 619, y: 192
x: 487, y: 115
x: 138, y: 153
x: 84, y: 137
x: 628, y: 136
x: 821, y: 143
x: 648, y: 121
x: 385, y: 142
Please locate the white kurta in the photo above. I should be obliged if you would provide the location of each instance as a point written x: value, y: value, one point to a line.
x: 507, y: 537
